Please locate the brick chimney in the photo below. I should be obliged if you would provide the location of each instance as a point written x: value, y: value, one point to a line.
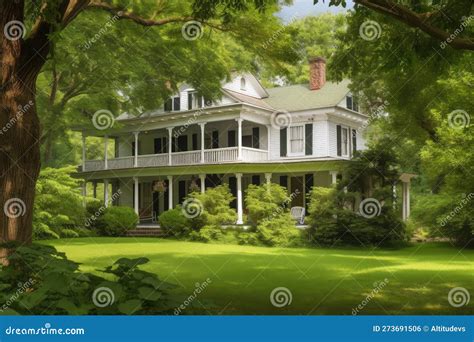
x: 317, y: 73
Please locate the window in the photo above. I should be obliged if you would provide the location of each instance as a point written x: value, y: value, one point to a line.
x: 194, y: 100
x: 345, y: 141
x: 173, y: 104
x: 296, y: 139
x: 351, y: 103
x: 242, y: 83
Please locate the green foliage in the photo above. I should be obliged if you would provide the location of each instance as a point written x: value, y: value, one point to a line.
x: 266, y: 201
x: 174, y: 223
x: 279, y: 231
x: 116, y: 221
x: 40, y: 279
x: 69, y: 233
x: 213, y: 206
x: 58, y: 203
x: 321, y: 201
x: 208, y: 234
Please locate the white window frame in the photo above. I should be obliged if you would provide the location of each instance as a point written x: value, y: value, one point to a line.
x: 348, y: 144
x: 288, y: 141
x: 195, y: 102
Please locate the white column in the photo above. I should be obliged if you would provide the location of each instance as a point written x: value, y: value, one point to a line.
x: 333, y: 177
x: 239, y: 138
x: 83, y: 152
x: 170, y: 144
x: 106, y: 193
x: 135, y: 197
x: 202, y: 177
x: 135, y: 159
x: 239, y: 199
x: 268, y: 177
x: 170, y: 192
x: 106, y: 153
x: 405, y: 200
x: 202, y: 141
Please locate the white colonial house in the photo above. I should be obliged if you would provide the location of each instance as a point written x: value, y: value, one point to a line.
x: 297, y: 136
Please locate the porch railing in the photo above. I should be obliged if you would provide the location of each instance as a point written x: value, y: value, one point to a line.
x: 211, y: 156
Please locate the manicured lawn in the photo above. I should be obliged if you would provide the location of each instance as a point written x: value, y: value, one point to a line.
x: 322, y: 281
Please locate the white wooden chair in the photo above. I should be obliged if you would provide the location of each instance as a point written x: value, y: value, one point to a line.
x: 298, y: 214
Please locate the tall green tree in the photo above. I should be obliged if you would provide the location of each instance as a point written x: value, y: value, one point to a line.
x: 32, y: 33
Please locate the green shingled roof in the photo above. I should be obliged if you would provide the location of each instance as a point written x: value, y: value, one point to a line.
x: 300, y: 97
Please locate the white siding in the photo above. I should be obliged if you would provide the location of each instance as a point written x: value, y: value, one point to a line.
x: 332, y: 139
x: 320, y: 139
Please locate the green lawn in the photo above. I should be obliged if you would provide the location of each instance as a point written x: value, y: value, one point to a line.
x: 322, y: 281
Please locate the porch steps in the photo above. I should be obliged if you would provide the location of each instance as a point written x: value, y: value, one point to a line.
x: 144, y: 232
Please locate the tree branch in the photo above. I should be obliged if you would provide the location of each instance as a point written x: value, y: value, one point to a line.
x: 417, y: 20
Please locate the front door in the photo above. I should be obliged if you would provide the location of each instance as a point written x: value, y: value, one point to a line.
x: 297, y: 191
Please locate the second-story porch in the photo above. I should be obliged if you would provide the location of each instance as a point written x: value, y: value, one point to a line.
x: 226, y: 141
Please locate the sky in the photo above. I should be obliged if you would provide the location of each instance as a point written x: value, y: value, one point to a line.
x: 302, y: 8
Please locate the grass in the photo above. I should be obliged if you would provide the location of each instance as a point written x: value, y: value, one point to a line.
x: 321, y: 281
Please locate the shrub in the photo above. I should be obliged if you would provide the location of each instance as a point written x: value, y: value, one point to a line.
x: 208, y: 234
x: 211, y: 208
x: 174, y: 223
x: 84, y: 232
x: 116, y: 221
x: 94, y: 209
x: 321, y: 202
x: 266, y: 201
x: 42, y: 231
x: 41, y: 279
x: 279, y: 231
x: 69, y: 233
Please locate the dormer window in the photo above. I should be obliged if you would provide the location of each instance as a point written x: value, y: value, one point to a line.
x: 351, y: 103
x: 242, y: 84
x: 173, y: 104
x: 196, y: 101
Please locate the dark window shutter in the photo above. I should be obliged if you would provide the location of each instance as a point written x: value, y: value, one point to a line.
x: 215, y: 139
x: 190, y: 100
x: 158, y: 148
x: 173, y: 144
x: 283, y: 133
x: 256, y: 137
x: 181, y: 191
x: 354, y: 141
x: 195, y: 141
x: 166, y: 202
x: 256, y: 180
x: 177, y: 103
x: 284, y: 181
x: 339, y: 142
x: 309, y: 139
x: 165, y: 145
x: 349, y: 102
x: 133, y: 148
x: 231, y: 141
x: 168, y: 105
x: 116, y: 149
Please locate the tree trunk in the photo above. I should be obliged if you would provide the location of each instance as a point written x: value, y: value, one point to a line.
x: 19, y: 131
